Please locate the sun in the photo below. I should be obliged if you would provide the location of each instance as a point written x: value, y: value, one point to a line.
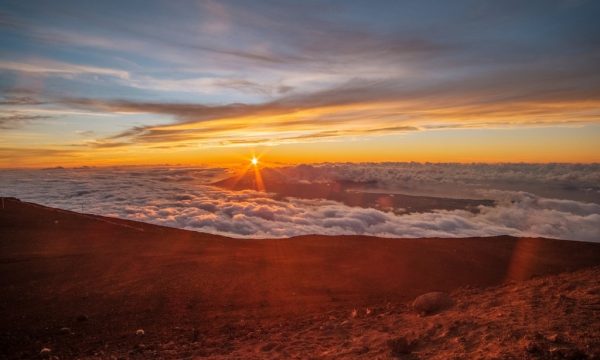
x: 254, y: 161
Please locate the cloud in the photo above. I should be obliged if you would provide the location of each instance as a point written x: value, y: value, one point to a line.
x: 50, y: 67
x: 398, y: 172
x: 18, y: 120
x: 20, y: 100
x: 85, y: 133
x: 359, y: 107
x: 179, y: 197
x: 568, y: 181
x: 16, y: 154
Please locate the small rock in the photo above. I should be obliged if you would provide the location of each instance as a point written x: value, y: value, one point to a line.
x: 65, y: 330
x: 432, y: 302
x: 139, y: 332
x: 354, y: 313
x: 82, y: 318
x: 568, y: 354
x: 45, y: 352
x: 553, y: 338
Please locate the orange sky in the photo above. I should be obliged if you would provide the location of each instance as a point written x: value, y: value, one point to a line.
x: 534, y: 144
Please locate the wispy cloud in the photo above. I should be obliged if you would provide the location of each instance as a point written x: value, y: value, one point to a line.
x: 359, y: 107
x: 16, y: 154
x: 225, y: 73
x: 19, y: 101
x: 18, y: 120
x: 48, y: 67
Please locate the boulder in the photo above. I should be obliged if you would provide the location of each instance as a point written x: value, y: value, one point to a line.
x: 432, y: 302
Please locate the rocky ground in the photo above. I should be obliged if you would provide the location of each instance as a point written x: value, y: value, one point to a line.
x: 77, y: 286
x: 551, y: 317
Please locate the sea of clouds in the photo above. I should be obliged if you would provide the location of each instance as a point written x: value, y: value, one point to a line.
x: 568, y: 181
x: 553, y: 200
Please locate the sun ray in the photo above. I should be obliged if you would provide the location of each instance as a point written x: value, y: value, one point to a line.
x: 258, y: 180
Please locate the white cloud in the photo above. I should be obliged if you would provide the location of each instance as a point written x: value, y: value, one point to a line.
x: 49, y: 67
x: 178, y: 197
x: 569, y: 181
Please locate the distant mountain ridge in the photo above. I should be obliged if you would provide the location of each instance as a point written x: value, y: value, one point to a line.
x: 351, y: 193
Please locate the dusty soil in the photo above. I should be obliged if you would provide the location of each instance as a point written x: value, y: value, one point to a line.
x: 82, y: 285
x: 552, y: 317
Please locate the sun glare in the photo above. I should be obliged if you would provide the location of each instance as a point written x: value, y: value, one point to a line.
x: 254, y: 161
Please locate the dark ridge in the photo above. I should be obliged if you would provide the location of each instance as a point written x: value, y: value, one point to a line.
x: 351, y: 193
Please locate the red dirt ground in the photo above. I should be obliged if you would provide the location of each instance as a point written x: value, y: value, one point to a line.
x: 200, y: 295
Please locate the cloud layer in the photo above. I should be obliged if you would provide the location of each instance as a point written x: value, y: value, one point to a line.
x: 179, y: 197
x: 569, y: 181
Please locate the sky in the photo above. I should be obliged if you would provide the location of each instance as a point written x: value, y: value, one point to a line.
x: 210, y: 82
